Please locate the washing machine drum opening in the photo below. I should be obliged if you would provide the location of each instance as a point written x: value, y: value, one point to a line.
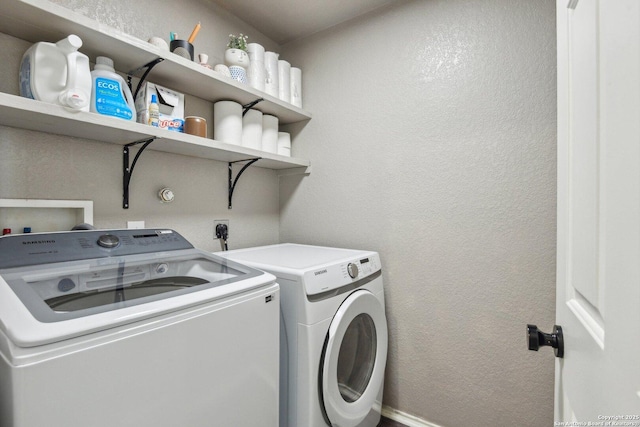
x: 357, y: 357
x: 70, y: 290
x: 97, y: 298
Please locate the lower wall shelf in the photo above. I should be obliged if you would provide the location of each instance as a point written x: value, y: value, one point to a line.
x: 23, y: 113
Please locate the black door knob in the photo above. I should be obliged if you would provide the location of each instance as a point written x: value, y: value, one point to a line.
x: 537, y: 339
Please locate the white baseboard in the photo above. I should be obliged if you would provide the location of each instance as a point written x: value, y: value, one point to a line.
x: 404, y: 418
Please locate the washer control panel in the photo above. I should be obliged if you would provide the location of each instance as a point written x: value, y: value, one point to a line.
x: 35, y: 249
x: 108, y: 241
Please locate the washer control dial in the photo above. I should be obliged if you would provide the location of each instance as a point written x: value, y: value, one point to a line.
x: 352, y: 269
x: 108, y: 241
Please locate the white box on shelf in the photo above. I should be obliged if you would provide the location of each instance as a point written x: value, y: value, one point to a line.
x: 170, y: 102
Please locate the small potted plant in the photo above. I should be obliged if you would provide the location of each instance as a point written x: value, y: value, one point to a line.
x: 236, y: 57
x: 237, y: 42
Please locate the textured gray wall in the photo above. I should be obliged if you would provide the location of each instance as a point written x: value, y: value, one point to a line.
x: 433, y: 142
x: 146, y: 18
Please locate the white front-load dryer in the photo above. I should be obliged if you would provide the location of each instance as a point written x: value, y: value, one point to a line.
x: 333, y: 332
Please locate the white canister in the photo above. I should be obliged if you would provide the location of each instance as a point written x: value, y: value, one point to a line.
x: 227, y: 122
x: 271, y: 73
x: 256, y: 52
x: 252, y: 129
x: 270, y: 133
x: 256, y: 75
x: 284, y: 81
x: 284, y: 144
x: 256, y: 71
x: 296, y: 86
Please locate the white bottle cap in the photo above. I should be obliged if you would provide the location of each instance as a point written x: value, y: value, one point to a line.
x: 104, y: 60
x: 104, y: 63
x: 74, y: 98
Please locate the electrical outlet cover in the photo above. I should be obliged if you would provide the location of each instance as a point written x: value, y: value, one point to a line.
x: 216, y: 222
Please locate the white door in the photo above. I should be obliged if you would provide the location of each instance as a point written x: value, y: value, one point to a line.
x: 354, y: 359
x: 598, y: 280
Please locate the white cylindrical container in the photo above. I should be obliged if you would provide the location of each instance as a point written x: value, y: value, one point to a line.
x: 269, y: 133
x: 227, y: 122
x: 284, y: 144
x: 256, y: 52
x: 284, y: 81
x: 257, y: 76
x: 252, y: 130
x: 296, y: 86
x: 271, y: 73
x: 256, y: 72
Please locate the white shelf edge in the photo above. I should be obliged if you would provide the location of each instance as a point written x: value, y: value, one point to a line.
x: 28, y: 114
x: 37, y: 20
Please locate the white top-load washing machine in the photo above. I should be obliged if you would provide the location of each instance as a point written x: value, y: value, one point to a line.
x: 333, y: 334
x: 134, y: 328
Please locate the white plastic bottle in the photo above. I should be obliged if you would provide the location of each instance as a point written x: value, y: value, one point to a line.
x: 57, y: 73
x: 154, y: 112
x: 110, y: 95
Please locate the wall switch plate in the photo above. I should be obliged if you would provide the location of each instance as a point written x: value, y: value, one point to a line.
x: 135, y: 224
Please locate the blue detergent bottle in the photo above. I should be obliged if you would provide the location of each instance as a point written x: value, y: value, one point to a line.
x: 110, y: 94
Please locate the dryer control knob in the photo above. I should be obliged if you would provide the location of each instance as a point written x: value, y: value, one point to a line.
x: 352, y: 269
x: 108, y: 241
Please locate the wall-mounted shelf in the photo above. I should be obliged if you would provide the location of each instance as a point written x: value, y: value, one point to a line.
x: 24, y: 113
x: 38, y: 20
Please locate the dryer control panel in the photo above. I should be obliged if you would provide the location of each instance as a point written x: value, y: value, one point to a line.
x: 362, y: 267
x: 335, y: 276
x: 319, y: 269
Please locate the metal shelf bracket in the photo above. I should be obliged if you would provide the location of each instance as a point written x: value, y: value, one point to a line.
x: 127, y: 170
x: 247, y: 107
x: 147, y: 67
x: 234, y: 181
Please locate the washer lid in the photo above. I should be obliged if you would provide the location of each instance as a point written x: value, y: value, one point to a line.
x: 354, y: 360
x: 46, y: 302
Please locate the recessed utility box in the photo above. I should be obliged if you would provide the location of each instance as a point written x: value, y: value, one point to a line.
x: 44, y: 215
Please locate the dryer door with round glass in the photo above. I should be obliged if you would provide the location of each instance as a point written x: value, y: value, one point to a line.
x: 353, y: 360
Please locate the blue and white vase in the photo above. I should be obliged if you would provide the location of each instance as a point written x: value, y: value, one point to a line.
x: 238, y: 73
x: 238, y: 61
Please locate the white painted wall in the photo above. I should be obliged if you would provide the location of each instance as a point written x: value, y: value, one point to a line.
x: 433, y: 142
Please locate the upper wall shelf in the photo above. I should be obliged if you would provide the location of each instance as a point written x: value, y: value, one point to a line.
x: 40, y: 20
